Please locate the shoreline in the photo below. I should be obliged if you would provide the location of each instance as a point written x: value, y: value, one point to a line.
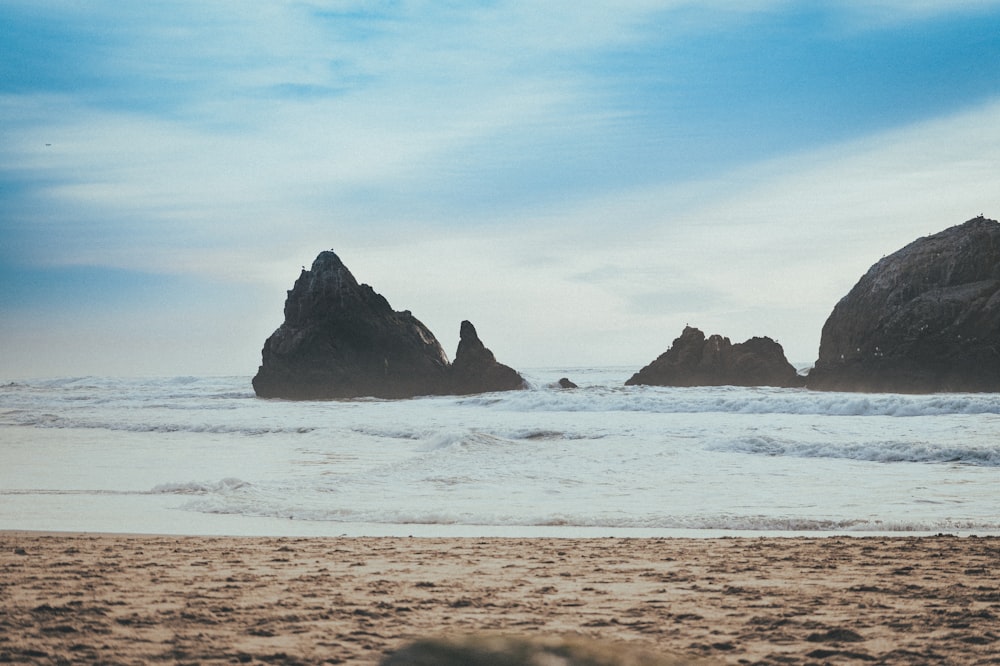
x: 88, y: 597
x: 465, y: 532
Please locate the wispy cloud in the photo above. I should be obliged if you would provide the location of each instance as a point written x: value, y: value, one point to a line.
x: 638, y: 159
x: 766, y: 249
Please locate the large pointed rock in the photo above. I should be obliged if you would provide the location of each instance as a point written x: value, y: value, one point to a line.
x: 693, y: 360
x: 923, y: 319
x: 341, y: 339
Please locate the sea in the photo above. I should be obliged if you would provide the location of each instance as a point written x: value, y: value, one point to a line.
x: 203, y: 455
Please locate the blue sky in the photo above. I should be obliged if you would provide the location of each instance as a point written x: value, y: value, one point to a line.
x: 579, y: 181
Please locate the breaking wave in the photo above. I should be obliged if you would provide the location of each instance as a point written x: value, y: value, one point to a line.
x: 47, y: 420
x: 738, y: 400
x: 200, y: 487
x: 873, y: 451
x: 724, y: 522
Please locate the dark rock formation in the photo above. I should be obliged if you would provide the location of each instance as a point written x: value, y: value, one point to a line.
x: 924, y: 319
x: 341, y: 339
x: 476, y: 370
x: 567, y: 384
x: 694, y: 361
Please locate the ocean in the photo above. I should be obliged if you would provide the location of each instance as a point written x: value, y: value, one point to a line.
x: 203, y: 455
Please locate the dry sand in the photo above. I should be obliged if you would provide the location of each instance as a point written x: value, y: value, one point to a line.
x: 81, y: 598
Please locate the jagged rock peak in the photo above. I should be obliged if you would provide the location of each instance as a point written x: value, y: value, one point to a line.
x: 341, y: 339
x: 476, y: 369
x: 926, y: 318
x: 694, y: 360
x: 326, y: 288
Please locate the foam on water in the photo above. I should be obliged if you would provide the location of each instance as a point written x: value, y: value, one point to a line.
x: 882, y: 451
x: 739, y: 400
x: 200, y: 487
x: 152, y: 454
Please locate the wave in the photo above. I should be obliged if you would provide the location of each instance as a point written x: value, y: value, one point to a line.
x: 466, y: 441
x: 221, y: 505
x: 609, y: 395
x: 736, y: 400
x: 71, y: 491
x: 222, y: 487
x: 48, y: 420
x: 475, y: 440
x: 873, y: 451
x: 103, y: 389
x: 200, y: 487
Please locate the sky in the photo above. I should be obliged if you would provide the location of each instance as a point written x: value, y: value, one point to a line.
x: 580, y: 180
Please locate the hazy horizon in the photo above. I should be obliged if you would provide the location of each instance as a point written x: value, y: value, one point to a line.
x: 580, y: 182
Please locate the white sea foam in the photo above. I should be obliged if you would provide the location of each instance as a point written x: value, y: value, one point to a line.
x: 601, y: 457
x: 873, y: 451
x: 49, y: 420
x: 738, y: 400
x: 661, y: 522
x: 200, y: 487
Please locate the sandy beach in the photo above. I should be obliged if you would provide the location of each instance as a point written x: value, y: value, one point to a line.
x: 85, y: 598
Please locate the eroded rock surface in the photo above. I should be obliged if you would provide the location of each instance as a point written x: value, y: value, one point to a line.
x: 341, y: 339
x: 923, y: 319
x: 476, y: 370
x: 694, y: 360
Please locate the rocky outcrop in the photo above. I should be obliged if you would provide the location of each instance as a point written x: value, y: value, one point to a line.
x: 924, y: 319
x: 341, y: 339
x: 693, y: 360
x: 476, y: 370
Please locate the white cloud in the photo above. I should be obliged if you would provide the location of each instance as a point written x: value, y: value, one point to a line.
x: 764, y: 250
x: 767, y: 250
x: 243, y: 181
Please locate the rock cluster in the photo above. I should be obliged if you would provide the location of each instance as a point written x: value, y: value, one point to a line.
x: 341, y: 339
x: 693, y: 360
x: 923, y: 319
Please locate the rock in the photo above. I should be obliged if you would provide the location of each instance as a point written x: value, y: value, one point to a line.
x: 341, y: 339
x: 503, y: 650
x: 567, y: 384
x: 694, y: 361
x: 476, y: 370
x: 924, y: 319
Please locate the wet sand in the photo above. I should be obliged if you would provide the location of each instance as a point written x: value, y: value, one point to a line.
x: 83, y: 598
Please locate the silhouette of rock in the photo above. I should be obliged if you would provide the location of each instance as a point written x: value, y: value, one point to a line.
x: 476, y: 370
x: 924, y: 319
x: 567, y: 384
x: 693, y: 360
x: 341, y: 339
